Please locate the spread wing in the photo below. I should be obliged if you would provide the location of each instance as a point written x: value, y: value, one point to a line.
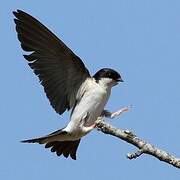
x: 60, y: 71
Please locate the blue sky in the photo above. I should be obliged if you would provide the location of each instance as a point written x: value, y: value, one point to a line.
x: 141, y: 40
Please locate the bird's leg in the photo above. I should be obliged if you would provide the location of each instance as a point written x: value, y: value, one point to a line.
x: 112, y: 115
x: 119, y: 112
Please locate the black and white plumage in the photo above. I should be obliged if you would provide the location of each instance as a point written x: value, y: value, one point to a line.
x: 67, y: 84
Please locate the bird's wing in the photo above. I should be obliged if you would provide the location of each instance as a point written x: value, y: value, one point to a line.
x: 60, y: 71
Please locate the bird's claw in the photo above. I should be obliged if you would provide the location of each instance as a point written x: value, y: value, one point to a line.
x: 119, y: 112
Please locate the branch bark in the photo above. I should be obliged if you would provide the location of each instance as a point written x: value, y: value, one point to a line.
x: 143, y: 146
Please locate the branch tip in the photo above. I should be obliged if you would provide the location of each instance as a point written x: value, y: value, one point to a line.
x: 143, y: 146
x: 135, y: 155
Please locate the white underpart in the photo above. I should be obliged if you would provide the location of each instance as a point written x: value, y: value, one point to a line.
x: 90, y: 106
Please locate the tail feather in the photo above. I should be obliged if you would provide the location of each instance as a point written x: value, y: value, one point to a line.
x: 45, y: 139
x: 63, y: 147
x: 37, y: 140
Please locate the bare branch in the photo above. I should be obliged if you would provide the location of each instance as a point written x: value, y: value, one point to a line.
x: 143, y: 146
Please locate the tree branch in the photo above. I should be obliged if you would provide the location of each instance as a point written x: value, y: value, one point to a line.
x: 143, y: 146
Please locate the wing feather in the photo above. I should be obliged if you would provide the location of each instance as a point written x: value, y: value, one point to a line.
x: 59, y: 70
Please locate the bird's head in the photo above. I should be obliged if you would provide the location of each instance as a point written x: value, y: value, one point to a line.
x: 108, y: 77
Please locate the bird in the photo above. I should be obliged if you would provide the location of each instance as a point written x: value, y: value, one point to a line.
x: 67, y: 84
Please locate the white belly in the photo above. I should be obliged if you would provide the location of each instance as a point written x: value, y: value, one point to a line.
x: 92, y: 104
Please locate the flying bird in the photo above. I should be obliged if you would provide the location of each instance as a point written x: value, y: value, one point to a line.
x: 67, y: 84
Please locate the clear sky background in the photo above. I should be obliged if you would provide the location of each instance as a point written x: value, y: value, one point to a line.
x: 138, y: 38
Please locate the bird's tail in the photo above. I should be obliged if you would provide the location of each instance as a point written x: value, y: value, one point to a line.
x: 57, y: 144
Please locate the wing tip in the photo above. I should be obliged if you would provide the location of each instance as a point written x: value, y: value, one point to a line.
x: 17, y: 12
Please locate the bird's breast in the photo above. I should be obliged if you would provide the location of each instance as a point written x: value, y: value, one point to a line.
x: 91, y: 105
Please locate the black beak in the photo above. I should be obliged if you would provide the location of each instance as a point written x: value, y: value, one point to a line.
x: 119, y: 80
